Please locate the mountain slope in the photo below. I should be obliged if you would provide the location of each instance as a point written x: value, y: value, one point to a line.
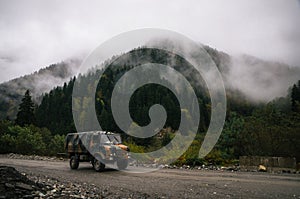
x: 40, y: 82
x: 245, y: 77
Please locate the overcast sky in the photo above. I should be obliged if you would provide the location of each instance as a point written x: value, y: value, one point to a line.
x: 34, y: 34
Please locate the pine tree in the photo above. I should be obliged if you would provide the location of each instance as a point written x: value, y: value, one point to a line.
x: 295, y: 97
x: 26, y: 111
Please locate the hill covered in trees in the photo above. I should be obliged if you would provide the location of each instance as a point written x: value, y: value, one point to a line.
x: 254, y: 79
x: 39, y: 82
x: 254, y: 125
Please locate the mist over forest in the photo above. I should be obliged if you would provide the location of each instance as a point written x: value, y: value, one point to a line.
x: 258, y: 80
x: 259, y: 93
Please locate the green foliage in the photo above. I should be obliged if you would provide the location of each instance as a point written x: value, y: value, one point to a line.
x: 229, y: 141
x: 29, y: 140
x: 166, y: 139
x: 269, y: 132
x: 135, y: 148
x: 4, y: 126
x: 26, y: 111
x: 215, y: 157
x: 55, y: 110
x: 56, y: 145
x: 295, y: 97
x: 8, y: 144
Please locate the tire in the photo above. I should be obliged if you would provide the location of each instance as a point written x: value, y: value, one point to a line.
x: 74, y: 162
x: 98, y: 165
x: 122, y: 164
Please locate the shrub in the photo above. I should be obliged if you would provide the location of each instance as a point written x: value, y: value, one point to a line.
x: 27, y: 141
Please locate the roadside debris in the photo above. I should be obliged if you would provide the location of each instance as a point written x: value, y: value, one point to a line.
x: 15, y: 185
x: 34, y: 157
x: 262, y: 168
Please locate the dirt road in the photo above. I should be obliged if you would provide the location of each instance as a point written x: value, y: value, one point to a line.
x: 169, y: 183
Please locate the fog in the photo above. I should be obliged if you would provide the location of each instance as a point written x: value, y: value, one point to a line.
x: 40, y: 82
x: 260, y: 81
x: 34, y: 34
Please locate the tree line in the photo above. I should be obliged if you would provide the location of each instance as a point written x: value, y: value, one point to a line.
x: 250, y: 129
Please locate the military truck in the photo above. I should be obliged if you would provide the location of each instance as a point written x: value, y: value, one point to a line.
x: 97, y: 147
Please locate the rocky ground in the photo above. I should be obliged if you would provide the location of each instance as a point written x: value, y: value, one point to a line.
x: 17, y: 185
x: 22, y: 185
x: 34, y: 157
x: 14, y: 184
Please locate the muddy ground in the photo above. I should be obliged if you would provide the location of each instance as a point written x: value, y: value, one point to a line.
x: 163, y: 183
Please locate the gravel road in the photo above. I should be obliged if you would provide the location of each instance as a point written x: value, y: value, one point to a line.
x: 166, y: 183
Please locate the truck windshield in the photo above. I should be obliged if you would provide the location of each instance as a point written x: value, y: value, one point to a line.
x: 105, y: 139
x: 115, y: 138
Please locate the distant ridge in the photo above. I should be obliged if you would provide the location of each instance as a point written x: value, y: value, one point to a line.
x: 39, y: 82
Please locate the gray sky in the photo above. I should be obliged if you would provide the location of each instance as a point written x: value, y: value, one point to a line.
x: 34, y: 34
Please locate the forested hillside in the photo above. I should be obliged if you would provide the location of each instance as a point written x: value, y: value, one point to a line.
x: 39, y: 82
x: 252, y: 127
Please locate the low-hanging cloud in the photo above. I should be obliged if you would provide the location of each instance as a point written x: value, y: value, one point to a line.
x: 259, y: 80
x: 34, y: 34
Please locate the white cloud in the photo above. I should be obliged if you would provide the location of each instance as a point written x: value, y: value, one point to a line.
x: 34, y: 34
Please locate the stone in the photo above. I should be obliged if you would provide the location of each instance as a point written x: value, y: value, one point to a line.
x: 53, y: 190
x: 24, y: 186
x: 262, y: 168
x: 27, y: 196
x: 9, y: 185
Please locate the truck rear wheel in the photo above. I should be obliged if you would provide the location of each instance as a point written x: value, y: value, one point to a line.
x: 122, y: 164
x: 74, y: 162
x: 98, y: 165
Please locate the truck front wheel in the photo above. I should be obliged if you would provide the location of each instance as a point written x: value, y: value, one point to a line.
x: 98, y: 165
x: 74, y: 162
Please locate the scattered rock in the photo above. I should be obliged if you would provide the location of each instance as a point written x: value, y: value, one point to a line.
x: 35, y: 157
x: 24, y: 186
x: 16, y: 185
x: 9, y: 185
x: 262, y: 168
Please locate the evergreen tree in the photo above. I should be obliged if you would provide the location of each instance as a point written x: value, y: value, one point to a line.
x: 26, y: 111
x: 295, y: 97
